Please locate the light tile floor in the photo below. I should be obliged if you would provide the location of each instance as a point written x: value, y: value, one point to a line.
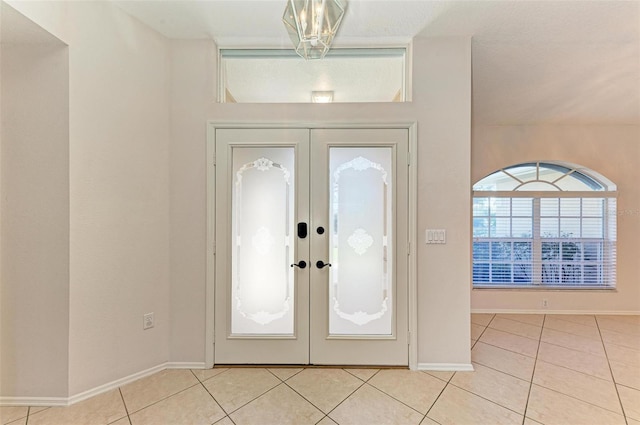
x: 529, y: 369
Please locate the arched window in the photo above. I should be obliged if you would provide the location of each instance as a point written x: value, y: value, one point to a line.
x: 544, y: 224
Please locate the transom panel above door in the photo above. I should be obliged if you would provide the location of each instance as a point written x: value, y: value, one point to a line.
x: 311, y: 231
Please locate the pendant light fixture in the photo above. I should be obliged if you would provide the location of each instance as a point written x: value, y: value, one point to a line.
x: 312, y: 24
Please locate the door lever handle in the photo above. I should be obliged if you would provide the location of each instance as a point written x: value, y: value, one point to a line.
x: 321, y: 264
x: 302, y: 264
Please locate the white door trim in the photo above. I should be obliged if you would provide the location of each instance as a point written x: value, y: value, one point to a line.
x: 211, y: 239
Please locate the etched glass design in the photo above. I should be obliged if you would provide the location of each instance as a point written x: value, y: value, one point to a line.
x: 360, y: 238
x: 262, y: 241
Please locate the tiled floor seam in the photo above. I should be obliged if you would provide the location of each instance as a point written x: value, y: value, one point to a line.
x: 400, y: 401
x: 388, y: 395
x: 615, y: 386
x: 323, y: 418
x: 438, y: 397
x: 533, y: 372
x: 125, y: 405
x: 511, y: 333
x: 501, y: 371
x: 364, y: 380
x: 524, y: 323
x: 216, y: 401
x: 506, y: 349
x: 622, y: 346
x: 483, y: 331
x: 239, y: 407
x: 581, y: 400
x: 485, y: 399
x: 570, y: 348
x: 578, y: 371
x: 289, y: 377
x: 443, y: 380
x: 493, y: 316
x: 203, y: 380
x: 336, y: 406
x: 520, y: 323
x: 157, y: 401
x: 573, y: 334
x: 560, y: 317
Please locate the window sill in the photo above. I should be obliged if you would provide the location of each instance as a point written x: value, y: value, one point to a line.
x: 561, y: 288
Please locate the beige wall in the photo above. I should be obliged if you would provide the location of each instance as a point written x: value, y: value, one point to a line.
x: 192, y: 91
x: 117, y: 200
x: 119, y: 189
x: 35, y: 219
x: 441, y: 107
x: 612, y: 151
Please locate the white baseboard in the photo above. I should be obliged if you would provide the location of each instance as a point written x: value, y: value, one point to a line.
x: 33, y: 401
x: 547, y: 311
x: 446, y: 367
x: 185, y: 365
x: 67, y: 401
x: 115, y: 384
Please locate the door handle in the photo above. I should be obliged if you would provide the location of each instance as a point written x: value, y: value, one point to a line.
x: 302, y: 264
x: 321, y: 264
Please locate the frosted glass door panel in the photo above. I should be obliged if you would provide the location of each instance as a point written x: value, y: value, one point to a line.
x: 360, y: 239
x: 262, y: 293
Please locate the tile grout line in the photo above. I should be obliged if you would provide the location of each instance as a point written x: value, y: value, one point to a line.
x: 228, y: 414
x: 349, y: 395
x: 165, y: 398
x: 399, y: 401
x: 574, y: 349
x: 560, y: 317
x: 483, y: 331
x: 615, y: 385
x: 519, y: 321
x: 211, y: 377
x: 577, y: 371
x: 485, y: 398
x: 574, y: 334
x: 501, y: 371
x: 533, y: 372
x: 214, y: 399
x: 572, y: 396
x: 506, y: 349
x: 439, y: 394
x: 365, y: 380
x: 454, y: 374
x: 322, y: 419
x: 510, y: 333
x: 283, y: 381
x: 124, y: 403
x: 352, y: 392
x: 582, y: 401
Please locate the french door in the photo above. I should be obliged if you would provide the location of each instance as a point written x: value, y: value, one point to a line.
x: 311, y: 264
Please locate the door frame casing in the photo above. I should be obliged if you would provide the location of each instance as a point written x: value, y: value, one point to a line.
x: 212, y: 126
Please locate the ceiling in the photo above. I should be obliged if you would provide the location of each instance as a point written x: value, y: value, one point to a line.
x: 555, y: 62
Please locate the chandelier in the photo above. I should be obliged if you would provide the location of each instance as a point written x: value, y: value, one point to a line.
x: 312, y: 24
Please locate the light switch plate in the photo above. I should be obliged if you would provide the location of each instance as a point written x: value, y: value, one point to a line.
x: 435, y: 236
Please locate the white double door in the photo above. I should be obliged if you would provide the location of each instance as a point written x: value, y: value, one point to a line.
x: 312, y: 253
